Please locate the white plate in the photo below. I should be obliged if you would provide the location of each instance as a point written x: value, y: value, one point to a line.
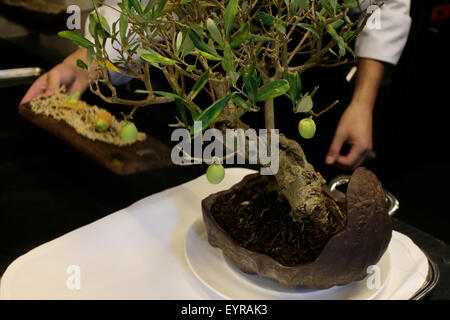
x: 218, y: 274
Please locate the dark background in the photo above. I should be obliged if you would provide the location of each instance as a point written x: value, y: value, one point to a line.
x: 48, y: 189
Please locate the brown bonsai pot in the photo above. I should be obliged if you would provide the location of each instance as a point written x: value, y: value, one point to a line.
x: 345, y: 256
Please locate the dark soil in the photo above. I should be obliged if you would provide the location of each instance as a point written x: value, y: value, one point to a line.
x: 257, y: 217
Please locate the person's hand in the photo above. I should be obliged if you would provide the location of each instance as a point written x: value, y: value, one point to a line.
x: 355, y: 129
x: 67, y: 73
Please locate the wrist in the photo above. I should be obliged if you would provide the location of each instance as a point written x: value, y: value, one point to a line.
x: 362, y: 103
x: 71, y: 60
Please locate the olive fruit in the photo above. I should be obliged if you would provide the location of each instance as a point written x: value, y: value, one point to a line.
x: 129, y: 132
x: 215, y: 173
x: 103, y: 121
x: 73, y: 99
x: 101, y: 125
x: 307, y: 128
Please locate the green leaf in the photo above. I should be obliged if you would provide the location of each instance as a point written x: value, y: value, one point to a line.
x: 191, y: 68
x: 199, y: 44
x: 350, y: 3
x: 123, y: 27
x: 242, y: 35
x: 81, y: 64
x: 230, y: 15
x: 348, y: 35
x: 76, y: 38
x: 278, y: 25
x: 333, y: 4
x: 150, y: 5
x: 299, y: 4
x: 136, y: 4
x: 210, y: 56
x: 348, y: 20
x: 335, y: 35
x: 181, y: 109
x: 199, y: 85
x: 114, y: 28
x: 270, y: 20
x: 234, y: 77
x: 320, y: 14
x: 187, y: 45
x: 212, y: 112
x: 212, y: 46
x: 178, y: 41
x: 160, y: 9
x: 272, y: 90
x: 92, y: 25
x: 338, y: 23
x: 326, y: 5
x: 240, y: 102
x: 304, y: 4
x: 152, y: 56
x: 213, y: 30
x: 305, y: 104
x: 266, y: 18
x: 309, y: 28
x: 102, y: 22
x: 89, y: 56
x: 248, y: 72
x: 197, y: 28
x: 193, y: 109
x: 251, y: 88
x: 228, y: 58
x: 350, y: 50
x: 295, y: 86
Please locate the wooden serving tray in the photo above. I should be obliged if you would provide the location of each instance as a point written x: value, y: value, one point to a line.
x: 138, y: 157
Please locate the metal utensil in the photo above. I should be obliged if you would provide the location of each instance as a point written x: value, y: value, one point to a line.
x: 19, y: 76
x: 393, y: 204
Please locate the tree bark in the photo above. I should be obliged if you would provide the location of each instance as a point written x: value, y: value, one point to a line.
x: 301, y: 184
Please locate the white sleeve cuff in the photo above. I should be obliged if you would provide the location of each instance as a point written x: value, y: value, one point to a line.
x: 385, y: 36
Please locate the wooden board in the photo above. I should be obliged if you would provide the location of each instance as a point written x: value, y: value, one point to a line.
x: 138, y: 157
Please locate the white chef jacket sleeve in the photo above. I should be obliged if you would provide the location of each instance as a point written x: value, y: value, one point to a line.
x: 385, y: 35
x: 111, y: 16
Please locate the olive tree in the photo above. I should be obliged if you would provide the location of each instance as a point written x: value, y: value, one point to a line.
x: 243, y: 54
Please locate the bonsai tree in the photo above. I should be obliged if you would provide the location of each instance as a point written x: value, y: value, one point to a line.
x: 243, y: 54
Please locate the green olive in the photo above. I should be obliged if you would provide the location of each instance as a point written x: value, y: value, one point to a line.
x: 129, y: 132
x: 307, y: 128
x: 73, y: 99
x: 215, y: 173
x: 101, y: 125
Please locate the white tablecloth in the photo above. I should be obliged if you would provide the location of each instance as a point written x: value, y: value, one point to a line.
x: 138, y: 253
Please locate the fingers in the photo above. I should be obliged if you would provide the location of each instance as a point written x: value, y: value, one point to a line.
x: 77, y: 86
x: 335, y: 148
x: 353, y: 159
x: 37, y: 89
x: 53, y: 83
x: 50, y: 83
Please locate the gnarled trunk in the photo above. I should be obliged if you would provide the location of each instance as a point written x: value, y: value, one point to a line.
x: 300, y: 183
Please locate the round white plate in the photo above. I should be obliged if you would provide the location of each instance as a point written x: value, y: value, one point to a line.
x: 218, y: 274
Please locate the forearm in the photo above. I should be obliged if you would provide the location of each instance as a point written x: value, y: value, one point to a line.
x: 73, y: 57
x: 369, y: 76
